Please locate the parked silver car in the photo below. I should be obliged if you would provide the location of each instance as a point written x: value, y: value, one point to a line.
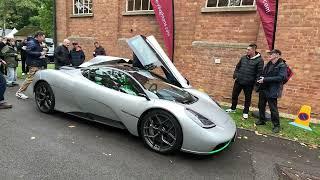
x: 151, y: 100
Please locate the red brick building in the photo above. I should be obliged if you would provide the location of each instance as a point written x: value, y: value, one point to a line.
x: 207, y: 31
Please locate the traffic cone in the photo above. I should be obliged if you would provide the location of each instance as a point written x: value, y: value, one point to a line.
x: 303, y: 119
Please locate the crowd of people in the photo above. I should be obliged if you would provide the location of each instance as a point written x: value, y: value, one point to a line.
x: 249, y: 73
x: 33, y: 51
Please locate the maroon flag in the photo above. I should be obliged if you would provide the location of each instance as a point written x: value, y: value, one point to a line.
x: 164, y: 14
x: 268, y: 14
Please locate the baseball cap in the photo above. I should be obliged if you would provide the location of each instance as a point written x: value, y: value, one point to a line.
x: 274, y: 51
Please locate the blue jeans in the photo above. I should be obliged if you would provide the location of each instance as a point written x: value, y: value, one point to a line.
x: 3, y: 85
x: 12, y: 75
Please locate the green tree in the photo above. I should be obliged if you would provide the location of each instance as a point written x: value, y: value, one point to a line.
x: 20, y: 13
x: 44, y: 19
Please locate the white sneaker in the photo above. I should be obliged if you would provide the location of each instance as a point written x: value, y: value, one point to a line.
x: 245, y: 116
x: 23, y: 74
x: 230, y: 111
x: 21, y: 95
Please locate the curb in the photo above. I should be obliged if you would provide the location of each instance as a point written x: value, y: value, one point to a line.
x: 283, y: 115
x: 285, y: 138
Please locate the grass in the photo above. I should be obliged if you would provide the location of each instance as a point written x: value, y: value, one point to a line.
x: 287, y: 131
x: 19, y: 70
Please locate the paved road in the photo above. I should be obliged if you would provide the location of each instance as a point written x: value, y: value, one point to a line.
x: 34, y: 145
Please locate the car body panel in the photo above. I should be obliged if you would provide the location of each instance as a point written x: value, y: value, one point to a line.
x: 101, y: 59
x: 81, y: 96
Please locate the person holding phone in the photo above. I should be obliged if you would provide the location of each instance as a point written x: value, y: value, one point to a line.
x: 271, y: 80
x: 35, y: 61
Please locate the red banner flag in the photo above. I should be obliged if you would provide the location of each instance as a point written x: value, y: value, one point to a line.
x: 268, y: 14
x: 164, y: 14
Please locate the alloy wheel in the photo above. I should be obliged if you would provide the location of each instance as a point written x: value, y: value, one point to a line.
x: 160, y: 132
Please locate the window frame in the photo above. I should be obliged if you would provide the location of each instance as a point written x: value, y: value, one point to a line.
x: 74, y: 14
x: 229, y: 8
x: 138, y: 12
x: 138, y: 87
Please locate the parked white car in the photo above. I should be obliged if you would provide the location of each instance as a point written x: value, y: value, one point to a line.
x: 49, y: 42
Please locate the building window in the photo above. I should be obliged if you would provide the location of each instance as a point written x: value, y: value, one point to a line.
x: 82, y: 7
x: 139, y: 6
x: 230, y: 3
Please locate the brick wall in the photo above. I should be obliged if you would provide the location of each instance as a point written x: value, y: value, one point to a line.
x: 203, y: 37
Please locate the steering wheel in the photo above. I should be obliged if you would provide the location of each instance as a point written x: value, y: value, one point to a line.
x: 153, y: 87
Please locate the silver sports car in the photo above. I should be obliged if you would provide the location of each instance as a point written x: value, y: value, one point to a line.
x: 146, y: 95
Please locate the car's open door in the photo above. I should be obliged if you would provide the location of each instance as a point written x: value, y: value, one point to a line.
x: 150, y: 55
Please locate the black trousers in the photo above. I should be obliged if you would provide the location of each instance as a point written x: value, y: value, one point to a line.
x: 273, y: 105
x: 3, y: 69
x: 3, y: 85
x: 247, y: 89
x: 25, y: 68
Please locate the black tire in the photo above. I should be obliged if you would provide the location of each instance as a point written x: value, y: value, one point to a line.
x: 44, y: 97
x: 161, y: 132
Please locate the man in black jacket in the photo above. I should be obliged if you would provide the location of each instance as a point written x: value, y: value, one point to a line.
x: 35, y: 61
x: 271, y: 85
x: 62, y: 55
x: 99, y: 51
x: 247, y: 71
x: 77, y: 55
x: 22, y: 47
x: 3, y: 84
x: 3, y: 43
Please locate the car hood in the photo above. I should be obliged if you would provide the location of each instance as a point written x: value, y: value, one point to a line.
x: 211, y: 111
x: 101, y: 59
x: 151, y: 55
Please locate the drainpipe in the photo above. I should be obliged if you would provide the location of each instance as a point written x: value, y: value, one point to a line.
x: 55, y: 23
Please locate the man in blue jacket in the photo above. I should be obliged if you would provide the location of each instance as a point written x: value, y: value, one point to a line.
x: 35, y: 61
x: 271, y: 85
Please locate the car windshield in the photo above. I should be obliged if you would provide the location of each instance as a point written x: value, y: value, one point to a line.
x: 156, y: 86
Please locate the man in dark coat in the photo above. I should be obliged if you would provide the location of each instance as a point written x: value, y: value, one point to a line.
x: 271, y: 85
x: 35, y: 61
x: 3, y: 42
x: 22, y: 47
x: 247, y: 71
x: 3, y: 84
x: 62, y: 55
x: 77, y: 55
x: 99, y: 51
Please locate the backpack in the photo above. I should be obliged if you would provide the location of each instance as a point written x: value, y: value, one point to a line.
x: 289, y: 73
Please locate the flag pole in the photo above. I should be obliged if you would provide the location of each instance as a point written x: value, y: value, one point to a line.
x: 275, y: 24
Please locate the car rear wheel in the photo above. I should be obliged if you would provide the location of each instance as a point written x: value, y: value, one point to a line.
x: 44, y: 97
x: 161, y: 132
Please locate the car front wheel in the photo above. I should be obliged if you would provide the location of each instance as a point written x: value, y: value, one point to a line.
x: 161, y: 132
x: 44, y: 97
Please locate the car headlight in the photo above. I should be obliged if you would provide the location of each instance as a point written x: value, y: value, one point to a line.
x: 199, y: 119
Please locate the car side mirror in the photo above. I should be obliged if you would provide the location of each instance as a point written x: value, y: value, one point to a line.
x: 144, y: 95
